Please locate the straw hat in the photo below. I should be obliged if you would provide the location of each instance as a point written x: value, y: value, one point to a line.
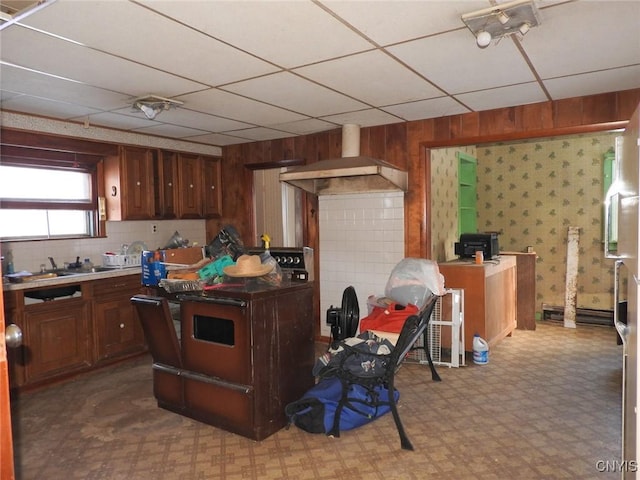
x: 247, y: 266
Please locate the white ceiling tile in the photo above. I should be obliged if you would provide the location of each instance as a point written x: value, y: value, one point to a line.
x: 233, y: 106
x: 305, y: 127
x: 364, y: 118
x: 41, y: 52
x: 618, y: 79
x: 219, y: 139
x: 503, y: 97
x: 471, y: 68
x: 584, y: 36
x: 293, y: 92
x: 392, y: 22
x: 367, y: 77
x: 117, y: 120
x: 106, y: 26
x: 44, y: 107
x: 432, y: 108
x: 283, y: 32
x: 37, y: 84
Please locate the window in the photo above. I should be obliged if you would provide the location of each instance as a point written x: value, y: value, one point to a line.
x: 46, y: 201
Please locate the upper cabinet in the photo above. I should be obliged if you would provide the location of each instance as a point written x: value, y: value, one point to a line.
x: 129, y: 182
x: 144, y: 184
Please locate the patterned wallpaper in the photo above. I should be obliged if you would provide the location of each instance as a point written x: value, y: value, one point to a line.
x: 531, y: 192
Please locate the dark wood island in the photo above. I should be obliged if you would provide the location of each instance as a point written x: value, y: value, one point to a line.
x: 244, y: 353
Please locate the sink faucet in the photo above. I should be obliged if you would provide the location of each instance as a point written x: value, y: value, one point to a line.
x: 53, y: 263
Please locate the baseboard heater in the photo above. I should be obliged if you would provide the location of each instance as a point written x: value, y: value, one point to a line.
x: 588, y: 316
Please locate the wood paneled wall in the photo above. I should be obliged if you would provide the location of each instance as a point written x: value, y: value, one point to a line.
x: 407, y: 146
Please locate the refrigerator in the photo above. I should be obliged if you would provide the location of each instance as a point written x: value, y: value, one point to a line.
x: 622, y: 226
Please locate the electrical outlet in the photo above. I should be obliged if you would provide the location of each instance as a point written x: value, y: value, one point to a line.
x: 154, y: 228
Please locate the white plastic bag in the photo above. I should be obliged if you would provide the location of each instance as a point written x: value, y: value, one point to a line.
x: 413, y: 281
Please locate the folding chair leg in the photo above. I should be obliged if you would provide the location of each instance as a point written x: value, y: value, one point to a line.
x: 434, y: 375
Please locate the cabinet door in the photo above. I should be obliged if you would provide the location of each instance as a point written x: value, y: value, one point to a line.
x: 190, y: 186
x: 56, y: 339
x: 118, y: 330
x: 166, y: 185
x: 212, y: 187
x: 137, y: 186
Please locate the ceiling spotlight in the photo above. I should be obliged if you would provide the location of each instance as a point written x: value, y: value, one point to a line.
x: 524, y: 28
x: 503, y: 17
x: 483, y: 39
x: 152, y: 105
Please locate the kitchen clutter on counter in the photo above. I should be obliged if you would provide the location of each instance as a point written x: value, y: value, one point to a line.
x: 179, y: 267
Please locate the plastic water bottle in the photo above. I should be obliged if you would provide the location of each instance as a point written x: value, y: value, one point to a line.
x: 480, y: 350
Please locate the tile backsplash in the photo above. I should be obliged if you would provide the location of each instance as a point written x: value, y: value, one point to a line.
x: 361, y: 240
x: 30, y: 255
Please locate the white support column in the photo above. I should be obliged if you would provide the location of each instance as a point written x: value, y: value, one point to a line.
x: 571, y: 278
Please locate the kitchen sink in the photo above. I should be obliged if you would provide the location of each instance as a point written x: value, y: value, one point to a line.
x: 51, y: 293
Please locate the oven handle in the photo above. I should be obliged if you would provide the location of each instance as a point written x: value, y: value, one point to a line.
x: 235, y: 302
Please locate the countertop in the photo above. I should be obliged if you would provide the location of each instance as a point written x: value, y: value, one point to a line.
x: 69, y: 279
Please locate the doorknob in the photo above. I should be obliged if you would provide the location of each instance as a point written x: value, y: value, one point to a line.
x: 13, y: 335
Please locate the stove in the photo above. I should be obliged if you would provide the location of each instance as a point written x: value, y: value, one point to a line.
x: 296, y: 262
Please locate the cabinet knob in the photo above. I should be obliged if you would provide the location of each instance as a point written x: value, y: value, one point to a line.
x: 138, y: 184
x: 212, y: 187
x: 170, y: 184
x: 13, y: 335
x: 122, y: 325
x: 191, y: 185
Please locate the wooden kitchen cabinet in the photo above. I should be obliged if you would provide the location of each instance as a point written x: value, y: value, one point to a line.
x: 117, y: 330
x: 56, y: 339
x: 489, y: 296
x: 166, y: 182
x: 129, y: 184
x: 212, y: 190
x: 526, y: 289
x: 190, y: 186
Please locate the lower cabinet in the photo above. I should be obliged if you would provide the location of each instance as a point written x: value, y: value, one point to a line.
x: 117, y: 330
x: 65, y: 336
x: 56, y: 339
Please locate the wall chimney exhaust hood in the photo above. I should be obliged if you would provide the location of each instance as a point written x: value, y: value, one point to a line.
x: 352, y: 173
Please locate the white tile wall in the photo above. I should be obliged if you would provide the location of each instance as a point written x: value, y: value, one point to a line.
x: 30, y: 255
x: 361, y: 240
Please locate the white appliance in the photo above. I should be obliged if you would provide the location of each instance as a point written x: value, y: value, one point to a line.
x: 623, y: 225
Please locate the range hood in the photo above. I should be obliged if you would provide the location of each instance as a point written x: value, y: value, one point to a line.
x: 352, y: 173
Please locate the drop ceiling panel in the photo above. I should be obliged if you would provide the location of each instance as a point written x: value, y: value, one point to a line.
x: 305, y: 127
x: 77, y: 20
x: 367, y: 77
x: 238, y: 108
x: 391, y: 22
x: 432, y: 108
x: 503, y: 97
x: 260, y: 133
x: 365, y: 118
x: 172, y: 131
x: 624, y: 78
x: 41, y: 52
x: 585, y: 36
x: 296, y: 93
x: 46, y: 108
x: 285, y: 33
x: 471, y: 68
x: 37, y: 84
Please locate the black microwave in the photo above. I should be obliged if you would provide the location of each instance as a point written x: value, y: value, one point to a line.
x: 470, y: 243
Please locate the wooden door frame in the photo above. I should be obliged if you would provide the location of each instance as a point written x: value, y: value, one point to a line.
x: 6, y: 437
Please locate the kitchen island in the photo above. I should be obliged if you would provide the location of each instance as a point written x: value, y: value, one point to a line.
x: 243, y: 354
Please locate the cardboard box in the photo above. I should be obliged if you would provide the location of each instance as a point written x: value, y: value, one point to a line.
x: 184, y: 256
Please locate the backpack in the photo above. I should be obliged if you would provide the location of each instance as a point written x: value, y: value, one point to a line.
x: 315, y: 411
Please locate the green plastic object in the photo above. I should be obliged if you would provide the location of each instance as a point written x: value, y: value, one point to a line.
x: 215, y: 268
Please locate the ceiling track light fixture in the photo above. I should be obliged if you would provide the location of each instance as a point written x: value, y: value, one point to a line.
x: 152, y: 105
x: 493, y: 23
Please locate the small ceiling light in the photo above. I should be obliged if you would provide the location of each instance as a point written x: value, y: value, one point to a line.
x: 152, y: 105
x: 515, y: 17
x: 483, y: 39
x: 503, y: 18
x: 524, y: 28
